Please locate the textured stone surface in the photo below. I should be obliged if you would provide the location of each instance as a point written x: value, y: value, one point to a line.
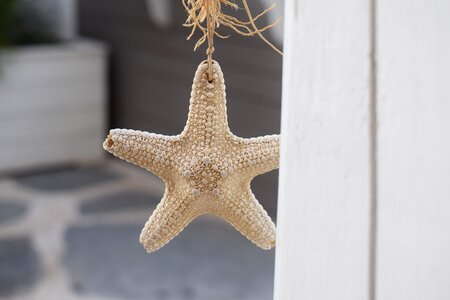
x: 66, y: 179
x: 126, y: 200
x: 210, y: 261
x: 19, y: 265
x: 10, y: 211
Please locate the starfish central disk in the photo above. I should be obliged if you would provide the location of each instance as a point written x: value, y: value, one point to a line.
x: 206, y: 169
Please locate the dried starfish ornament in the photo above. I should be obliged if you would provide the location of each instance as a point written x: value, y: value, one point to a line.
x: 206, y: 168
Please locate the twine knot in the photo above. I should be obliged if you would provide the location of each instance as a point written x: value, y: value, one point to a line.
x: 210, y: 50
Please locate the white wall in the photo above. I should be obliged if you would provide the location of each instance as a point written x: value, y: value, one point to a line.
x: 364, y: 201
x: 324, y: 198
x: 53, y: 98
x: 414, y: 149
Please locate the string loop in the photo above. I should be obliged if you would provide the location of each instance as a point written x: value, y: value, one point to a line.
x: 211, y: 28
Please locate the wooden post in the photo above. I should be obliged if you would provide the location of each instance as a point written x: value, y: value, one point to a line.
x: 325, y: 183
x: 364, y: 208
x: 413, y: 260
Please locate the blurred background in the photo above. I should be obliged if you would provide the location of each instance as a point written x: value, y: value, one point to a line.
x: 70, y: 215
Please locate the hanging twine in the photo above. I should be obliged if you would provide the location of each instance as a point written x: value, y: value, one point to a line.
x: 210, y: 30
x: 210, y: 11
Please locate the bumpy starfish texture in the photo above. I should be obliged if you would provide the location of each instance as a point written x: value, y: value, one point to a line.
x: 206, y: 168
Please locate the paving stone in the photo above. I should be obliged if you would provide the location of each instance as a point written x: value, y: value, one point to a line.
x: 126, y: 200
x: 209, y: 260
x: 66, y: 178
x: 10, y: 211
x: 19, y: 266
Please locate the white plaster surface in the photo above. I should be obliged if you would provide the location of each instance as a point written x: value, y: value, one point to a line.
x: 41, y: 86
x: 414, y: 149
x: 324, y: 197
x: 324, y: 224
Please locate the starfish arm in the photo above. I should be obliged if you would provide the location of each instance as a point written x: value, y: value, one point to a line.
x: 207, y: 119
x: 244, y: 212
x: 260, y: 155
x: 170, y: 217
x: 147, y: 150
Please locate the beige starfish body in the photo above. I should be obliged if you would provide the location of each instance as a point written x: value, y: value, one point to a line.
x: 206, y: 168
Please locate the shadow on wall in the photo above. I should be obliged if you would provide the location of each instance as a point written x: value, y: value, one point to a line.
x: 152, y: 68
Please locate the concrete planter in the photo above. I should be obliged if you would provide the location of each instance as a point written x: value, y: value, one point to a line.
x: 52, y: 104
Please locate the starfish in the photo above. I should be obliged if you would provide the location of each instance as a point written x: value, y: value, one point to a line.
x: 206, y: 169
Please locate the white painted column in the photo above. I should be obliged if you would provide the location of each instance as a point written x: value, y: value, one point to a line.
x: 414, y: 150
x: 324, y: 201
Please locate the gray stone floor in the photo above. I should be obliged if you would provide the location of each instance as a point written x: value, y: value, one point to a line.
x: 72, y: 233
